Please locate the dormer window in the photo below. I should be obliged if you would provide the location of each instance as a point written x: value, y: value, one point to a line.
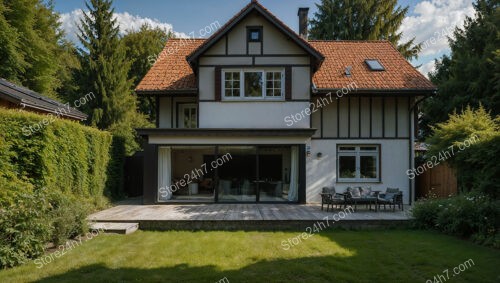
x: 374, y: 65
x: 254, y: 34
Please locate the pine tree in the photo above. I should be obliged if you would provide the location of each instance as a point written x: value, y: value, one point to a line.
x: 105, y: 73
x: 470, y: 75
x: 142, y: 47
x: 362, y: 20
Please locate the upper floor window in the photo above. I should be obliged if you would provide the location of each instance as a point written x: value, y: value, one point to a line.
x: 253, y: 84
x: 255, y: 34
x: 358, y: 163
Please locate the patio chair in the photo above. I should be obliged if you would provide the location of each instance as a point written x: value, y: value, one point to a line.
x: 359, y: 195
x: 392, y: 197
x: 330, y: 197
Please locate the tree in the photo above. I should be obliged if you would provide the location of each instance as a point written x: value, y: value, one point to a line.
x: 105, y: 73
x: 469, y: 141
x: 471, y: 74
x: 362, y: 20
x: 141, y: 46
x: 29, y: 45
x: 69, y: 66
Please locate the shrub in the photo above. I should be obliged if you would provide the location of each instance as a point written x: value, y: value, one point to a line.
x: 24, y: 228
x: 71, y: 161
x: 478, y: 134
x: 63, y: 156
x: 68, y: 216
x: 471, y: 215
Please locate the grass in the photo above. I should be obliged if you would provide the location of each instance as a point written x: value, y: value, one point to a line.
x: 330, y: 256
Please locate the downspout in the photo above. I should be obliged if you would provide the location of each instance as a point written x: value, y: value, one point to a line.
x: 411, y: 157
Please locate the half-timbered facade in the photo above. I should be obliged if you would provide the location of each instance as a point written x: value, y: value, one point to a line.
x: 258, y: 113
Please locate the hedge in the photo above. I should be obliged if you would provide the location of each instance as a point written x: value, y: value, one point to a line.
x: 71, y: 168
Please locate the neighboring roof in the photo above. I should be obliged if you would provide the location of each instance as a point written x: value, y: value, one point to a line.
x: 257, y: 7
x: 399, y: 74
x: 27, y: 98
x: 171, y: 71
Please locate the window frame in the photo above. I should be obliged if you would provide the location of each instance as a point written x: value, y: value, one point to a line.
x: 242, y: 96
x: 181, y: 107
x: 358, y: 153
x: 251, y: 29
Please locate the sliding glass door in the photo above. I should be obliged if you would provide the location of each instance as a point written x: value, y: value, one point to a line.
x: 238, y: 173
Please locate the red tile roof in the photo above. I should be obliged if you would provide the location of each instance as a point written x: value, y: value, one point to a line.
x: 171, y: 71
x: 399, y: 74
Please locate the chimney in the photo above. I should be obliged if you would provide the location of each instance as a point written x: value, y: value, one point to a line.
x: 303, y: 22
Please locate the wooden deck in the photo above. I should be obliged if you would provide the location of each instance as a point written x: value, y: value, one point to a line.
x: 242, y: 216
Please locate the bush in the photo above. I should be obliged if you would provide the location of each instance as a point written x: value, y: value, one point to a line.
x: 68, y: 216
x: 25, y: 227
x: 471, y: 215
x: 471, y: 140
x: 62, y: 156
x: 71, y: 161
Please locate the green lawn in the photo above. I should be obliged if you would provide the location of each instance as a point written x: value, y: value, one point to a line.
x: 333, y: 256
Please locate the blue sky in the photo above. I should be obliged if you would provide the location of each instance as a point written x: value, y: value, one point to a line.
x: 426, y: 19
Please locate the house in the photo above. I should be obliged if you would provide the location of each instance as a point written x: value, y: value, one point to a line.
x: 13, y: 96
x: 258, y: 113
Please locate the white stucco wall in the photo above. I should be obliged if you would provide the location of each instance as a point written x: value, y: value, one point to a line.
x: 264, y: 114
x: 322, y: 172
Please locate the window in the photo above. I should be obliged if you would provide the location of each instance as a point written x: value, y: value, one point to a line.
x: 273, y: 84
x: 374, y: 65
x: 187, y: 116
x: 232, y: 84
x: 253, y: 84
x: 255, y: 34
x: 358, y: 163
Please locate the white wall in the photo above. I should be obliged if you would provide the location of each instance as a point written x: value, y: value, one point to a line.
x: 322, y: 172
x: 166, y: 105
x: 251, y: 114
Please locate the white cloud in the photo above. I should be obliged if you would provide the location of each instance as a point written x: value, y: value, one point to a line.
x: 433, y: 21
x: 426, y: 68
x: 126, y: 21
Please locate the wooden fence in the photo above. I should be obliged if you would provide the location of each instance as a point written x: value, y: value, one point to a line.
x: 441, y: 180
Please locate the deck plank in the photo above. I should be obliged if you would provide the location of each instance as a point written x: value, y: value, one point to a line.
x: 235, y: 212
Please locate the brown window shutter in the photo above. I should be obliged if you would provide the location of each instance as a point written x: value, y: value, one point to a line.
x: 217, y: 84
x: 288, y: 83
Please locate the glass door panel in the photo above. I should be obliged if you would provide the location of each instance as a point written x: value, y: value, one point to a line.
x: 274, y: 173
x: 237, y: 180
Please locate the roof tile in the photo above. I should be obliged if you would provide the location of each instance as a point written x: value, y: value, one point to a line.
x: 172, y: 72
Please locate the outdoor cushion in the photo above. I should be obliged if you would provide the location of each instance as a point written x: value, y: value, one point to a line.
x: 389, y: 196
x: 356, y: 193
x: 392, y: 190
x: 366, y: 192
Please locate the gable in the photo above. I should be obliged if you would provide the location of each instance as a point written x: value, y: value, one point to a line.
x: 259, y: 15
x: 274, y: 41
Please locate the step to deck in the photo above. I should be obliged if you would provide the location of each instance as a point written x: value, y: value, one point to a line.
x: 114, y: 227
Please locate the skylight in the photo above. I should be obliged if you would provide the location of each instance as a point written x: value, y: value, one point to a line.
x: 374, y: 65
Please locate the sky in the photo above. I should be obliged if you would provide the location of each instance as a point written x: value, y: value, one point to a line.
x: 430, y: 21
